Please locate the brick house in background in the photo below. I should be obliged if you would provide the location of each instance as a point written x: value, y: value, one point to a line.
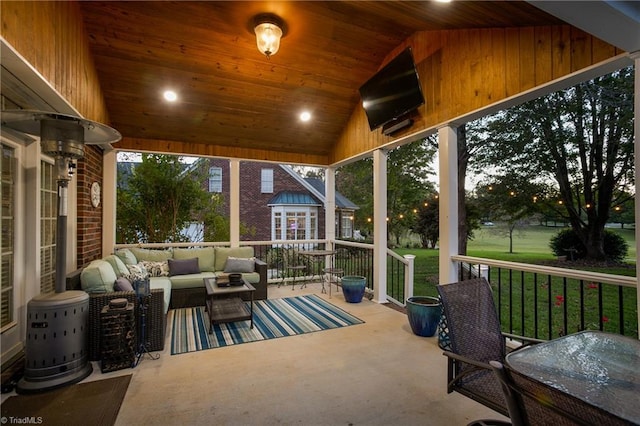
x: 276, y: 202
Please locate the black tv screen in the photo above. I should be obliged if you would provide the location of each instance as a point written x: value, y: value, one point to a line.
x: 393, y: 91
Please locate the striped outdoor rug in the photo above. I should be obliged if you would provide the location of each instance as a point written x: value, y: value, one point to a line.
x: 271, y: 318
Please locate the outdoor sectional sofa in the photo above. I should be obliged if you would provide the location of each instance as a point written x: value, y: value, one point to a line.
x: 176, y: 281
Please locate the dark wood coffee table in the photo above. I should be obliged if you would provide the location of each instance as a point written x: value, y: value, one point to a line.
x: 224, y: 304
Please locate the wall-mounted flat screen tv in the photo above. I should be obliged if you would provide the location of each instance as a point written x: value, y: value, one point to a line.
x: 393, y: 91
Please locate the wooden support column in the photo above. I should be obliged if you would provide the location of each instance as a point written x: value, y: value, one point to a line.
x: 109, y: 200
x: 234, y: 202
x: 380, y: 226
x: 330, y: 205
x: 636, y: 58
x: 448, y: 179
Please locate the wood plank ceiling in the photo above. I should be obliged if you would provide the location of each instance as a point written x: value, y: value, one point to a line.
x: 231, y: 95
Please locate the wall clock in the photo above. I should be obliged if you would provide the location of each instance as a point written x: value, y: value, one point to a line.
x: 95, y: 194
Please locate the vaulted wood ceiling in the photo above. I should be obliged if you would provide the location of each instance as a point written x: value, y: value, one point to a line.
x: 231, y: 95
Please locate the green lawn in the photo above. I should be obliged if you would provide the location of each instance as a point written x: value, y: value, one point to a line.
x: 532, y: 240
x: 530, y: 245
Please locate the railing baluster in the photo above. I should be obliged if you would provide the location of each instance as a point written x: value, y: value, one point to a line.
x: 600, y: 307
x: 621, y: 310
x: 500, y: 294
x: 582, y: 327
x: 510, y: 300
x: 565, y: 323
x: 522, y: 304
x: 549, y: 308
x: 535, y: 306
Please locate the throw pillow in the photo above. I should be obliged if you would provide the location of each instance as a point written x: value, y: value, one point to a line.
x: 137, y: 272
x: 238, y: 264
x: 205, y: 255
x: 222, y: 253
x: 156, y: 269
x: 183, y: 266
x: 123, y: 284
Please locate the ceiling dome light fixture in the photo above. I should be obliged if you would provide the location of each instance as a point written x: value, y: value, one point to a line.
x: 269, y: 29
x: 170, y: 95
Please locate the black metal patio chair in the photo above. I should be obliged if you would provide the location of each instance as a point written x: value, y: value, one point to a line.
x: 475, y: 339
x: 293, y: 268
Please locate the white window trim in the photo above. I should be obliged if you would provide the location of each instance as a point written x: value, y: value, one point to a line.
x: 12, y: 334
x: 215, y: 182
x: 266, y: 181
x: 283, y: 210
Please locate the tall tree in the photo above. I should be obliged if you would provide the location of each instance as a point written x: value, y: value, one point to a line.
x: 355, y: 181
x: 157, y: 201
x: 407, y: 185
x: 581, y: 139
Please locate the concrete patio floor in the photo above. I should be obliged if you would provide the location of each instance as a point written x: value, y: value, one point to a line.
x: 376, y: 373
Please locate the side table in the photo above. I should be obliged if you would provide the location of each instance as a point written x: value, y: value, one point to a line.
x: 118, y: 334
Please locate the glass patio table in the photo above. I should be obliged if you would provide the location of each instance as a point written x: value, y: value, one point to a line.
x: 598, y: 368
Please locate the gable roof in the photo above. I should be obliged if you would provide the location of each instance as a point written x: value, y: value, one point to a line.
x: 316, y: 187
x: 342, y: 202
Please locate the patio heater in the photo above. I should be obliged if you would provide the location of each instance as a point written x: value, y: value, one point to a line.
x: 56, y: 339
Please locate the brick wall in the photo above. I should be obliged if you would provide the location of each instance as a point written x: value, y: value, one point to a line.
x: 254, y: 212
x: 89, y: 217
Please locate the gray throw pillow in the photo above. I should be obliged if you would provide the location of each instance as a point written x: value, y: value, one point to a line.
x: 183, y: 266
x: 123, y: 284
x: 238, y: 264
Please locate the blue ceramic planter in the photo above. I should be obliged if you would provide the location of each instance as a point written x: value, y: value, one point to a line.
x: 423, y: 313
x: 353, y: 288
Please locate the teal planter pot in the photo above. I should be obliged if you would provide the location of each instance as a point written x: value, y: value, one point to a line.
x: 353, y: 288
x: 424, y: 314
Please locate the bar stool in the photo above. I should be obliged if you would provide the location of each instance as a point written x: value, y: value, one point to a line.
x: 295, y: 271
x: 330, y: 273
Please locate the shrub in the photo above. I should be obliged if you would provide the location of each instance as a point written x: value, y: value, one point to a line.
x: 615, y: 247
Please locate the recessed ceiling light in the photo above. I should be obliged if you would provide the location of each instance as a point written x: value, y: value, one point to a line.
x: 305, y: 116
x: 170, y: 95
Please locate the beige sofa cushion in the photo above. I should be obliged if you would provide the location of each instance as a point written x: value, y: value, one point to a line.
x: 205, y: 255
x: 118, y: 265
x: 98, y: 277
x: 151, y: 254
x: 190, y: 280
x: 223, y: 252
x: 165, y: 284
x: 126, y: 256
x: 251, y: 277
